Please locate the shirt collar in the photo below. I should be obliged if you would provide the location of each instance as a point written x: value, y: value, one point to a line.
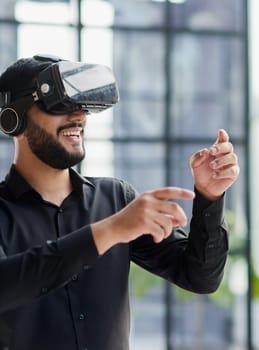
x: 16, y: 183
x: 78, y: 183
x: 19, y: 186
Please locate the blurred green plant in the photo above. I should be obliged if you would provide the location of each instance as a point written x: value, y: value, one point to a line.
x: 142, y: 282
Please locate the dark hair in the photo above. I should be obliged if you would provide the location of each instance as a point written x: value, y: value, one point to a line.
x: 19, y: 76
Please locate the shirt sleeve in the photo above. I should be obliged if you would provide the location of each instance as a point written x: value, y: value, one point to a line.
x: 193, y: 261
x: 37, y: 271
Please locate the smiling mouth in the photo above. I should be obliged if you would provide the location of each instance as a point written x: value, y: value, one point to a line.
x: 74, y: 129
x: 73, y: 133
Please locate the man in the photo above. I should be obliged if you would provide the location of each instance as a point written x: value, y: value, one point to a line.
x: 67, y: 241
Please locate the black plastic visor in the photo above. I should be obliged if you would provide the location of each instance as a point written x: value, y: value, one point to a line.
x: 65, y: 87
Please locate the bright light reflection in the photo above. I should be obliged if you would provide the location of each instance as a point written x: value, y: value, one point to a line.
x: 97, y: 13
x: 254, y: 27
x: 238, y: 277
x: 99, y: 159
x: 254, y: 69
x: 172, y: 1
x: 28, y: 11
x: 35, y: 40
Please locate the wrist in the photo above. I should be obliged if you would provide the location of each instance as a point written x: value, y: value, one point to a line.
x: 207, y: 195
x: 103, y: 235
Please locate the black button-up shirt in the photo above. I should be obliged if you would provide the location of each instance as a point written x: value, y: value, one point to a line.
x: 57, y: 293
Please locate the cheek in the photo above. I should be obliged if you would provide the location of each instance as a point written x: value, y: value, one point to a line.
x: 51, y: 126
x: 44, y: 120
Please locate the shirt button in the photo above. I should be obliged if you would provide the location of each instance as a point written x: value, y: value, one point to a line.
x: 74, y: 277
x: 86, y: 267
x: 207, y: 214
x: 81, y: 317
x: 211, y: 245
x: 60, y: 210
x: 44, y: 290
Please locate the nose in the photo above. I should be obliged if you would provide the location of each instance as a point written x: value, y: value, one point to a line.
x: 79, y: 116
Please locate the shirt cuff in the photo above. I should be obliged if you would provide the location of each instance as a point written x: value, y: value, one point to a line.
x: 208, y: 215
x: 79, y: 247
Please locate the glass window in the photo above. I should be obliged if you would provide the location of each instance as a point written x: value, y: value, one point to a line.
x: 141, y: 164
x: 7, y: 9
x: 137, y: 13
x: 207, y: 85
x: 141, y: 80
x: 8, y: 36
x: 147, y: 310
x: 217, y: 320
x: 6, y: 154
x: 62, y: 12
x: 99, y: 160
x: 98, y: 46
x: 209, y: 15
x: 97, y: 13
x: 35, y: 39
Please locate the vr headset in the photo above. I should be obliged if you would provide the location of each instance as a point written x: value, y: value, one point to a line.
x: 62, y: 88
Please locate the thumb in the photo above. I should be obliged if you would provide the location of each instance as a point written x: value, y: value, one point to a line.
x: 222, y: 136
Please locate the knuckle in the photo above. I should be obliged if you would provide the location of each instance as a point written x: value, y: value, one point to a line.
x: 231, y: 147
x: 235, y: 158
x: 233, y: 171
x: 236, y: 171
x: 174, y: 206
x: 142, y: 220
x: 144, y: 199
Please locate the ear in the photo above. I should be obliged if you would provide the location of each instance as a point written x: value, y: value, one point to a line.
x: 20, y: 136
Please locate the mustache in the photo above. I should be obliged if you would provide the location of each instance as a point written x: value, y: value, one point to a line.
x: 68, y: 126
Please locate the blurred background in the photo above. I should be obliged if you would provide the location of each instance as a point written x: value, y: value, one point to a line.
x: 185, y: 68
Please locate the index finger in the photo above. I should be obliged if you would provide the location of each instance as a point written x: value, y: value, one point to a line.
x: 173, y: 193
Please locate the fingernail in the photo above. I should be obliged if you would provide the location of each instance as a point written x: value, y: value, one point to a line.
x: 213, y: 164
x: 213, y: 150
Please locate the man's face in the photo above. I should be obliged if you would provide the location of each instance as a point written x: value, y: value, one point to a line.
x: 56, y: 140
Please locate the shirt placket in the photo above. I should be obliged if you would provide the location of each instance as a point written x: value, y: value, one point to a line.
x: 77, y: 311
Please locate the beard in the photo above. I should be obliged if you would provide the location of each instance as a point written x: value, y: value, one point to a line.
x: 49, y: 150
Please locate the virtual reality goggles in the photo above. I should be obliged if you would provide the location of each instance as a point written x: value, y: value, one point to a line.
x: 62, y: 88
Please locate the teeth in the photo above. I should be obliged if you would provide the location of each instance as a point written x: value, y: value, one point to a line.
x: 72, y: 133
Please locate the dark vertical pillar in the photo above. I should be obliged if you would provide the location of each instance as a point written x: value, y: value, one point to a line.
x: 247, y: 177
x: 168, y: 178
